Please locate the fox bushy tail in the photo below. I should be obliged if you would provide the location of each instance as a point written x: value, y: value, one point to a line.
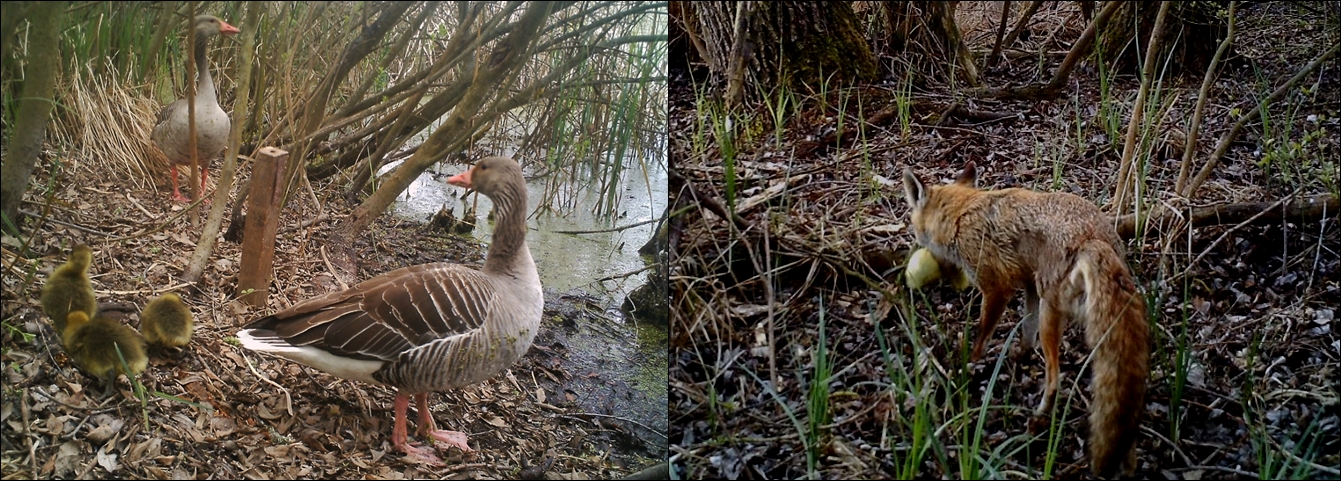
x: 1116, y: 330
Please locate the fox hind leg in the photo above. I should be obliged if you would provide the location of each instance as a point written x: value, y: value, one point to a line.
x: 1050, y: 333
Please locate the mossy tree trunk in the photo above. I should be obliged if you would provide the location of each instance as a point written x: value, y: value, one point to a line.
x: 34, y: 107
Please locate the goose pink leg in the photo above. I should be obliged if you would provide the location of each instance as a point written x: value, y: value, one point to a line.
x: 428, y: 428
x: 177, y: 194
x: 399, y: 435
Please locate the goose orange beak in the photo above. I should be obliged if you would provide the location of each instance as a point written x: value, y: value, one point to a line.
x: 462, y: 179
x: 224, y: 27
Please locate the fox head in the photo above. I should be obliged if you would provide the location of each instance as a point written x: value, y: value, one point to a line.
x: 931, y: 222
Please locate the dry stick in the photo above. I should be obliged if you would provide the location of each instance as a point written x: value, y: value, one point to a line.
x: 735, y: 70
x: 1000, y: 33
x: 612, y: 229
x: 1054, y: 86
x: 191, y: 141
x: 770, y: 298
x: 288, y: 400
x: 35, y: 215
x: 1082, y: 46
x: 1126, y: 179
x: 1233, y: 132
x: 712, y: 204
x: 626, y: 275
x: 162, y: 226
x: 1019, y: 24
x: 1194, y: 130
x: 1230, y: 231
x: 644, y: 426
x: 1153, y: 433
x: 209, y: 235
x: 327, y: 260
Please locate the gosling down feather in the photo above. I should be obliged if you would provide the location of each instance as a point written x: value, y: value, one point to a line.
x: 428, y: 327
x: 69, y: 290
x: 171, y: 135
x: 93, y: 346
x: 167, y: 322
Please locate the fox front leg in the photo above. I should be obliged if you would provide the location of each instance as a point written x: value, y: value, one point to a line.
x: 993, y: 304
x: 1029, y: 321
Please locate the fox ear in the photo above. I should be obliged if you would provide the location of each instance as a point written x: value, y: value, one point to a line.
x: 969, y: 176
x: 913, y: 190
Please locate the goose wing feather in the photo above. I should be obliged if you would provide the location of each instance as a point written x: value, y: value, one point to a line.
x: 383, y: 317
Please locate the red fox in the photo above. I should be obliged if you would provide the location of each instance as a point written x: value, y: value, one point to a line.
x: 1064, y: 252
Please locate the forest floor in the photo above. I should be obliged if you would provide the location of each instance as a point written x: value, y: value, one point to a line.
x: 545, y: 418
x: 1244, y: 348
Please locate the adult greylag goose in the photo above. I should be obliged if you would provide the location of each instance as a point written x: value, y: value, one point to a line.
x: 69, y: 290
x: 172, y: 133
x: 428, y: 327
x: 94, y: 345
x: 167, y: 322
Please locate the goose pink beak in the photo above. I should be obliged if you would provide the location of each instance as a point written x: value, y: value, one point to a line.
x: 224, y: 27
x: 462, y: 179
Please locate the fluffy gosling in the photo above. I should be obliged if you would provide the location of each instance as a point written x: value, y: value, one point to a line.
x: 167, y: 322
x: 93, y: 345
x: 69, y: 290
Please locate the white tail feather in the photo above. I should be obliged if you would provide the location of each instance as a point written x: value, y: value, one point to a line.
x: 262, y: 340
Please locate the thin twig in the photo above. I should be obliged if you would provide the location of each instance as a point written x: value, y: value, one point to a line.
x: 330, y: 268
x: 1231, y: 230
x: 644, y: 426
x: 288, y: 400
x: 612, y: 229
x: 61, y: 222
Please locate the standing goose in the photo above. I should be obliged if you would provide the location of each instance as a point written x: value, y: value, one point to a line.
x: 172, y: 133
x: 428, y: 327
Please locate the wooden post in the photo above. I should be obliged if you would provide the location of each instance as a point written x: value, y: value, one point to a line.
x: 258, y: 240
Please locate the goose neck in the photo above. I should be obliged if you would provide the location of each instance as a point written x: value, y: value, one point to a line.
x: 508, y: 255
x: 204, y: 81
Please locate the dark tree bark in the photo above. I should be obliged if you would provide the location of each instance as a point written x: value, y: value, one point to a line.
x: 926, y: 35
x: 1193, y: 32
x: 34, y: 108
x: 795, y: 45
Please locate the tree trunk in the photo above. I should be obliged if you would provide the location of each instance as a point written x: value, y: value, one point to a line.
x: 795, y: 45
x: 926, y: 35
x: 34, y: 109
x: 1197, y: 28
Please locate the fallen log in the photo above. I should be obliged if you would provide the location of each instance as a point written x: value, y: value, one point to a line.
x: 1309, y: 209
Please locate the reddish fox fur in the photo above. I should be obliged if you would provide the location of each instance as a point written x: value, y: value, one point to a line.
x: 1064, y: 252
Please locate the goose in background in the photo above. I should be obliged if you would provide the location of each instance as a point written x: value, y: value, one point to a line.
x: 172, y: 133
